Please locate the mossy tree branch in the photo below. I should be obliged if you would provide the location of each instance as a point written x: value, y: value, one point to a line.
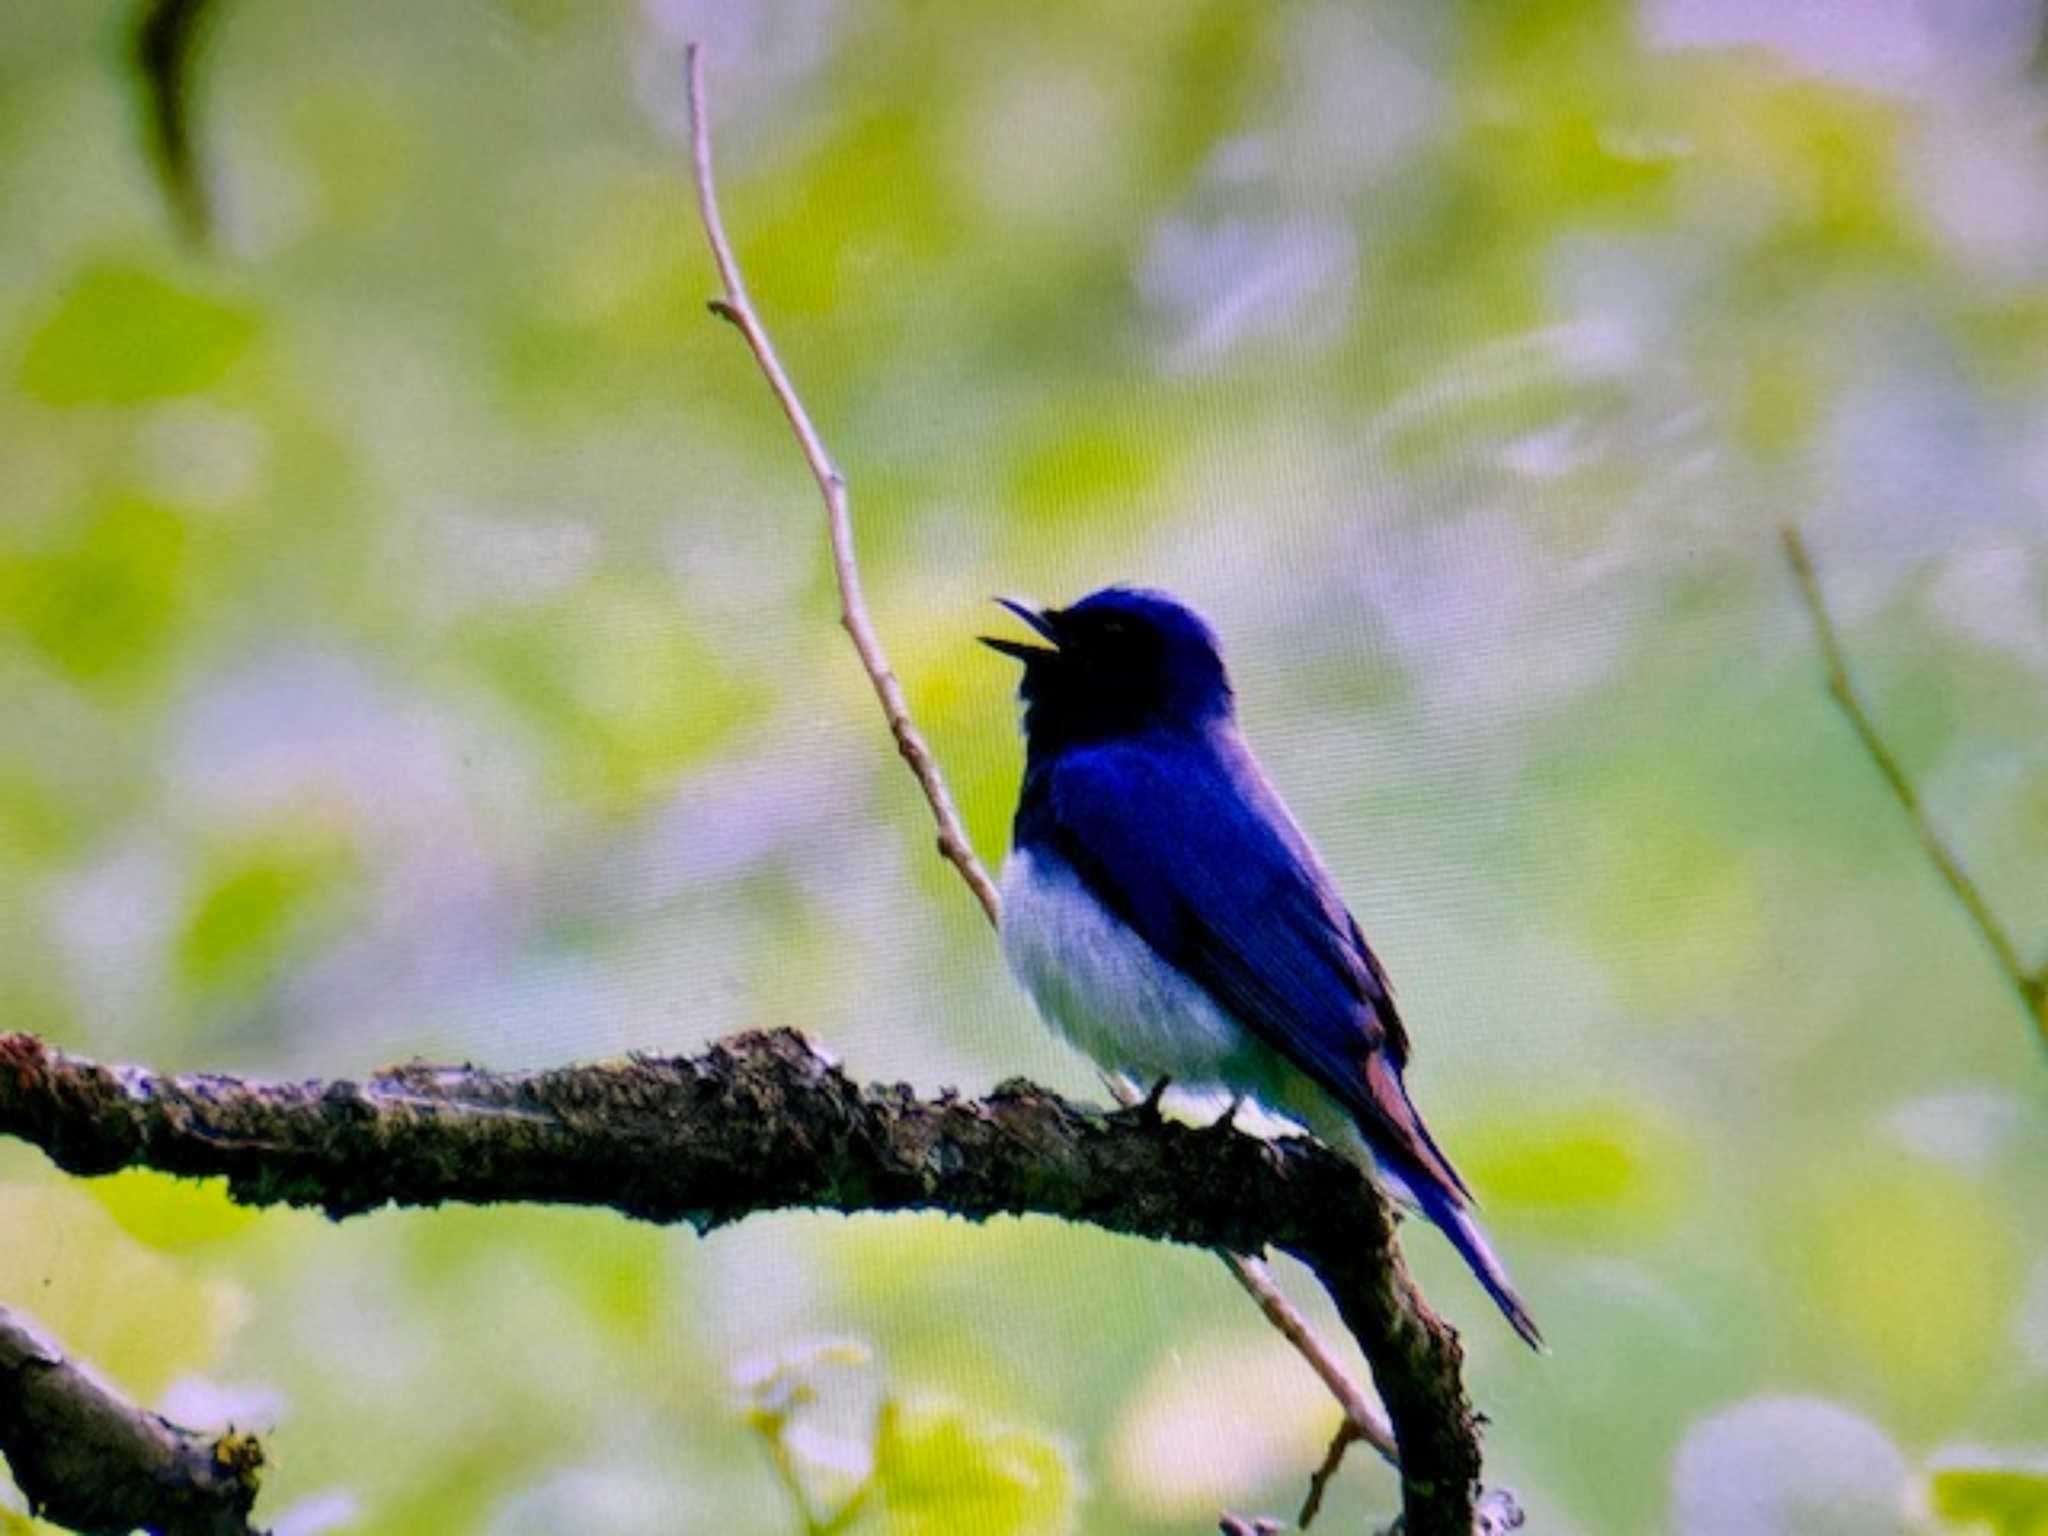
x: 763, y: 1122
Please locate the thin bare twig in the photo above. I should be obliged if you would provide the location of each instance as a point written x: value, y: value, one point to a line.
x: 1362, y: 1420
x: 853, y: 611
x: 2030, y: 986
x: 1362, y: 1417
x: 1319, y: 1481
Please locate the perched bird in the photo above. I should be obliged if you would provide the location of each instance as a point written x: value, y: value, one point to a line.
x: 1168, y: 916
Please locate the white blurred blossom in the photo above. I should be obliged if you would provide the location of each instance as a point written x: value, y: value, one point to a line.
x: 1788, y: 1466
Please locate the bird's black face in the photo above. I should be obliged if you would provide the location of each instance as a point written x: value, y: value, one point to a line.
x: 1117, y: 662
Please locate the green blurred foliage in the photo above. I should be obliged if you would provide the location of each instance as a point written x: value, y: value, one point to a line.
x: 139, y: 1316
x: 418, y: 640
x: 170, y: 1214
x: 2001, y: 1501
x: 941, y: 1471
x: 123, y: 335
x: 1598, y: 1172
x: 104, y: 608
x: 853, y: 1456
x: 253, y: 903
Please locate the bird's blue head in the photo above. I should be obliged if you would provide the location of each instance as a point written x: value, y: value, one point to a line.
x: 1119, y: 661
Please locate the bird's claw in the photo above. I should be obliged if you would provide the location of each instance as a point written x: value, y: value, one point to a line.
x: 1225, y: 1124
x: 1148, y: 1107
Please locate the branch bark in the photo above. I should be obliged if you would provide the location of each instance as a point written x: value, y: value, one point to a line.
x: 89, y: 1459
x: 2031, y: 986
x: 763, y: 1122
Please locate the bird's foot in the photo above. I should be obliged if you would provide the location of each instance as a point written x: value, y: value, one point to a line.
x: 1226, y: 1123
x: 1148, y: 1108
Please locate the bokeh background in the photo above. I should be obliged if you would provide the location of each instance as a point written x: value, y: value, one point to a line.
x: 418, y: 640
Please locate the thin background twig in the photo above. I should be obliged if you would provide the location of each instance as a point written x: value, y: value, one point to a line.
x: 1363, y: 1421
x: 167, y: 39
x: 2031, y: 986
x: 853, y: 609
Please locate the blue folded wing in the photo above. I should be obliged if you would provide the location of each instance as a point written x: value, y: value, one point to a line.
x: 1183, y: 838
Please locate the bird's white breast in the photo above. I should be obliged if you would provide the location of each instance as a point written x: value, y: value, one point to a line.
x: 1104, y: 988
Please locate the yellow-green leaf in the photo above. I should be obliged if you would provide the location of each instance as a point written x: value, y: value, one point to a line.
x: 257, y: 903
x: 1587, y: 1170
x: 167, y: 1213
x: 943, y: 1471
x: 122, y: 334
x: 1094, y: 464
x: 2006, y: 1501
x: 100, y: 605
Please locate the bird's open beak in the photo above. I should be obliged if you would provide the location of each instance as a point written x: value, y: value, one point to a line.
x: 1038, y: 621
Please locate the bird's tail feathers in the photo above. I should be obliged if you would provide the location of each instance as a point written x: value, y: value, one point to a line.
x: 1457, y: 1224
x: 1415, y: 1169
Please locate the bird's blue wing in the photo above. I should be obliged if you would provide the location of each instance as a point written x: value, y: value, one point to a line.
x: 1185, y: 840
